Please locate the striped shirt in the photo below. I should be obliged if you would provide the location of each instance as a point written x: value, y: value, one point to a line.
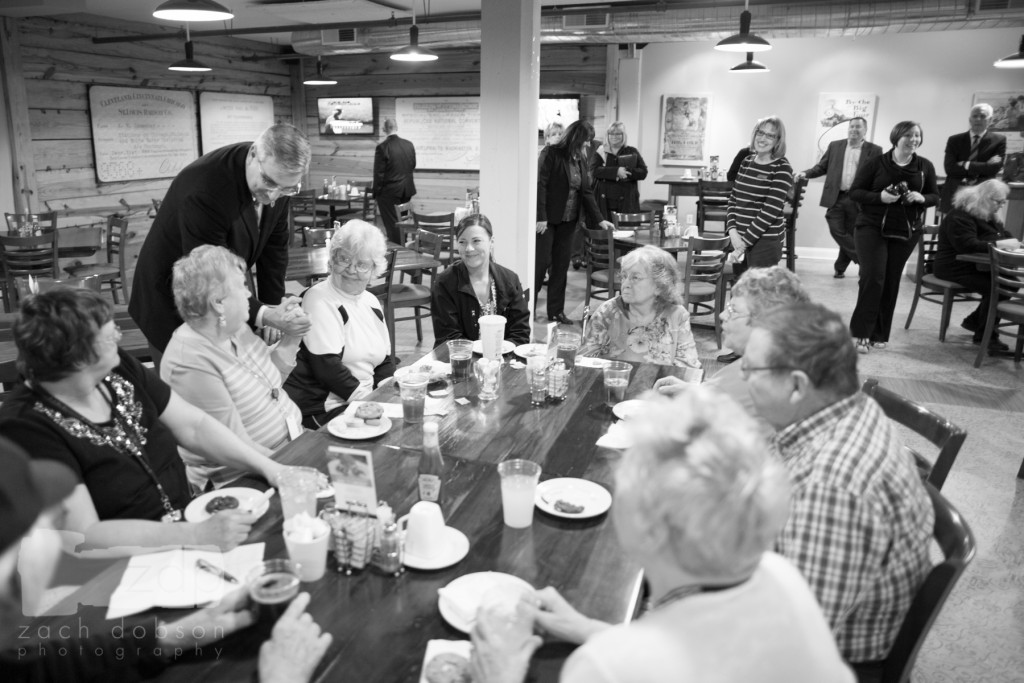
x: 235, y: 387
x: 860, y: 522
x: 758, y: 198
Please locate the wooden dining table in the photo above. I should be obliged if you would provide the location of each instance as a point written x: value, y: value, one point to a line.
x: 341, y: 206
x: 381, y: 624
x: 656, y: 238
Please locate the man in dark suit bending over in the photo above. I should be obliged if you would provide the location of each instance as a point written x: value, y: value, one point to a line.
x: 393, y: 164
x: 236, y: 197
x: 839, y: 165
x: 973, y: 156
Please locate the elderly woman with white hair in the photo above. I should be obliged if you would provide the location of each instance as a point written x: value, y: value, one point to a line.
x: 216, y: 362
x: 972, y: 225
x: 346, y: 353
x: 699, y: 502
x: 647, y: 322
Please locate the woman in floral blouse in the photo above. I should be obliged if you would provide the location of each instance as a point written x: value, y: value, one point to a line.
x: 647, y: 322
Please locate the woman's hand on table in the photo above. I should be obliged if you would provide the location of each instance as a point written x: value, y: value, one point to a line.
x: 502, y: 650
x: 556, y: 617
x: 207, y: 625
x: 225, y: 529
x: 296, y: 646
x: 670, y: 386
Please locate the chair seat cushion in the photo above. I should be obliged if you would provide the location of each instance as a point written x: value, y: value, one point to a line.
x: 103, y: 270
x: 934, y: 282
x: 703, y: 289
x: 602, y: 276
x: 406, y: 293
x: 1011, y: 311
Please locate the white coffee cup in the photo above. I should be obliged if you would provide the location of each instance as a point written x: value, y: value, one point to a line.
x: 687, y: 173
x: 424, y: 530
x: 492, y: 333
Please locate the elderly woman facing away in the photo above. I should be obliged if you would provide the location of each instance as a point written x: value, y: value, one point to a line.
x: 117, y: 426
x: 647, y: 321
x: 216, y: 363
x: 699, y: 502
x: 347, y: 352
x: 969, y: 228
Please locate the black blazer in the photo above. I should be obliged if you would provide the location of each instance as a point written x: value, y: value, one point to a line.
x: 963, y: 233
x: 958, y: 148
x: 553, y: 187
x: 393, y: 164
x: 831, y: 166
x: 209, y: 202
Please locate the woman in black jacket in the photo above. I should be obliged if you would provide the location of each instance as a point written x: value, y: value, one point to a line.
x: 475, y: 285
x: 564, y: 189
x: 969, y: 228
x: 893, y: 191
x: 619, y: 169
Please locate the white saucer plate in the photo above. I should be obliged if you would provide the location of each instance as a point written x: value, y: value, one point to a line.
x: 592, y: 497
x: 434, y: 368
x: 343, y: 429
x: 506, y: 347
x: 471, y: 589
x: 196, y: 510
x: 627, y: 409
x: 527, y: 350
x: 456, y: 547
x: 623, y: 234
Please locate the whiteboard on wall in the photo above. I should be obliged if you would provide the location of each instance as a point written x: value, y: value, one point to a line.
x: 445, y: 131
x: 140, y: 133
x: 227, y: 118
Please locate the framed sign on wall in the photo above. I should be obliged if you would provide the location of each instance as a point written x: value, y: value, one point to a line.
x: 684, y: 129
x: 226, y: 118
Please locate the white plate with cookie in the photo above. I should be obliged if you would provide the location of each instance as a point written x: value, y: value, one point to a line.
x: 363, y: 420
x: 227, y: 498
x: 446, y: 661
x: 434, y: 369
x: 572, y: 498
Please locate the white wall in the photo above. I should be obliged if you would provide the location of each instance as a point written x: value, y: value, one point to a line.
x: 927, y: 77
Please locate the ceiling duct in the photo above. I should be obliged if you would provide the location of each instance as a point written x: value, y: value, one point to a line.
x: 585, y: 21
x: 339, y: 37
x: 708, y: 23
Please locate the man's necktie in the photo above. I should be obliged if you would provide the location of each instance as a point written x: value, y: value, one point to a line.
x: 974, y: 148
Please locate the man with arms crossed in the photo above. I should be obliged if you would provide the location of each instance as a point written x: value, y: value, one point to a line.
x: 860, y: 519
x: 839, y: 165
x: 973, y: 156
x: 234, y: 197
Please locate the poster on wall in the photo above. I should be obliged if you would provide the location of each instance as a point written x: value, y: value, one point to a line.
x: 445, y: 130
x: 684, y: 121
x: 227, y: 118
x: 140, y: 133
x: 835, y: 109
x: 345, y: 116
x: 563, y: 110
x: 1007, y: 116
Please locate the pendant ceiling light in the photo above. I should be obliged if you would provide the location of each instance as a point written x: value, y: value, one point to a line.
x: 744, y: 41
x: 413, y: 52
x: 749, y: 66
x: 319, y: 79
x: 189, y: 63
x: 192, y: 10
x: 1014, y: 61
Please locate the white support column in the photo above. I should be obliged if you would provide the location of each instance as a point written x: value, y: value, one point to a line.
x: 509, y: 91
x: 629, y: 98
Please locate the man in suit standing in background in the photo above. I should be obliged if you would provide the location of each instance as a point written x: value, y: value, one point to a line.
x: 393, y: 164
x: 234, y: 197
x: 839, y: 165
x: 973, y: 156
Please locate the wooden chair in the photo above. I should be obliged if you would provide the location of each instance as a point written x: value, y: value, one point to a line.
x: 383, y: 292
x: 25, y: 256
x: 317, y: 237
x: 1007, y: 301
x: 416, y: 295
x: 934, y: 289
x: 791, y: 210
x: 602, y: 275
x: 634, y: 221
x: 956, y: 540
x: 303, y: 213
x: 712, y: 201
x: 937, y: 429
x: 443, y: 224
x: 406, y: 228
x: 113, y: 273
x: 704, y: 281
x: 369, y: 205
x: 22, y: 224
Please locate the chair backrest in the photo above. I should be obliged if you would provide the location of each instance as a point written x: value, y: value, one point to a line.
x: 714, y: 191
x: 430, y: 244
x: 633, y: 221
x: 383, y: 289
x: 404, y: 212
x: 442, y: 224
x: 1007, y: 274
x: 956, y: 540
x: 317, y: 237
x: 23, y: 224
x: 926, y: 250
x: 599, y: 246
x: 937, y: 429
x: 36, y: 256
x: 705, y: 262
x: 792, y: 209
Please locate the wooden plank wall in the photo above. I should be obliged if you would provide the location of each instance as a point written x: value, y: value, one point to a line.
x: 565, y: 70
x: 59, y: 61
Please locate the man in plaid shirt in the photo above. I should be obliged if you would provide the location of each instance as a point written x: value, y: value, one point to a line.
x: 860, y: 518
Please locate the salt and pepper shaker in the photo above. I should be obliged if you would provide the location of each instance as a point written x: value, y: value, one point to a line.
x: 389, y: 557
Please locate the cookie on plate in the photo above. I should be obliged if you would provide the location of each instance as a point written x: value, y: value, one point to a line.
x: 371, y: 410
x: 447, y: 667
x: 219, y: 503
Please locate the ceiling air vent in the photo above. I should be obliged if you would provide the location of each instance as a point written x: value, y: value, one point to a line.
x: 999, y: 5
x: 582, y: 21
x: 340, y: 36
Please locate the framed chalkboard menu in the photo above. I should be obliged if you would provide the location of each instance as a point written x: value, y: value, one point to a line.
x: 445, y: 130
x: 226, y: 118
x: 141, y: 133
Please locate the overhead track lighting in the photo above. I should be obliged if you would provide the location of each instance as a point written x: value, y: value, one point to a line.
x: 413, y: 52
x: 192, y: 10
x: 744, y: 41
x: 1014, y: 61
x: 319, y: 79
x: 189, y: 63
x: 749, y: 66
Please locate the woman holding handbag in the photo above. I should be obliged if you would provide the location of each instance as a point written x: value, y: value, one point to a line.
x: 894, y: 191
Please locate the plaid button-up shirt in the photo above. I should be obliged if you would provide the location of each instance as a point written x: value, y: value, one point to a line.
x: 860, y: 522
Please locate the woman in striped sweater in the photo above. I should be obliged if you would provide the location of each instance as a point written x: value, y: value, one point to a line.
x: 754, y: 218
